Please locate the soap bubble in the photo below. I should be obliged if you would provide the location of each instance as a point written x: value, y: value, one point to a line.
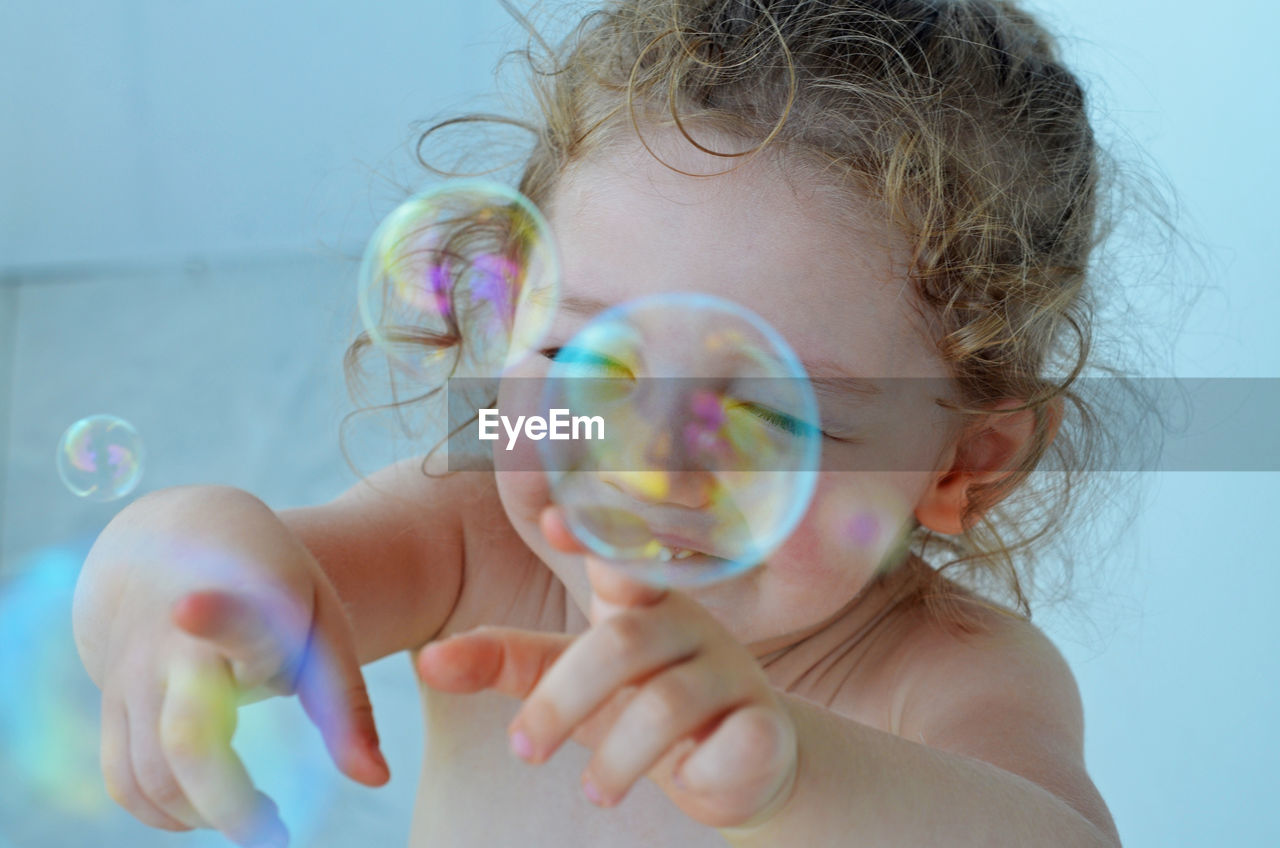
x: 463, y: 276
x: 710, y: 446
x: 100, y: 458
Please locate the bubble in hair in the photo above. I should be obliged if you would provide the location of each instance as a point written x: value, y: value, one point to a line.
x: 465, y: 274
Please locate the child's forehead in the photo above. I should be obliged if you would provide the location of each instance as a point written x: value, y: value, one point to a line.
x: 676, y: 171
x: 834, y: 287
x: 747, y: 207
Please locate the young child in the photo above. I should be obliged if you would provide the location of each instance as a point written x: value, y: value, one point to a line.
x: 903, y: 188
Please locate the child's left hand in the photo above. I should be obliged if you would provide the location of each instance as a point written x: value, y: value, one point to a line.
x: 656, y: 686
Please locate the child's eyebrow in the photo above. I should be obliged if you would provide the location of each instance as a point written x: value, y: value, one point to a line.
x: 583, y: 304
x: 828, y: 378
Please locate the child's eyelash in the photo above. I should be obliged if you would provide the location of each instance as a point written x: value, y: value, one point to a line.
x: 583, y: 356
x: 787, y: 423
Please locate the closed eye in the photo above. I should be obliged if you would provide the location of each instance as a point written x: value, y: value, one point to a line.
x: 792, y: 425
x: 586, y: 358
x: 781, y: 420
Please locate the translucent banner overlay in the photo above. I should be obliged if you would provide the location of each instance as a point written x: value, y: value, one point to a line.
x: 1142, y: 424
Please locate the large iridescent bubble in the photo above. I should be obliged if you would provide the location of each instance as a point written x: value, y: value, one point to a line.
x: 463, y: 278
x: 710, y: 440
x: 100, y: 458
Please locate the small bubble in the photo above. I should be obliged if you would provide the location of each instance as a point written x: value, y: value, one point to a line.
x: 100, y: 458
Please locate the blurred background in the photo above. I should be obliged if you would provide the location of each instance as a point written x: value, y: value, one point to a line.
x: 185, y: 192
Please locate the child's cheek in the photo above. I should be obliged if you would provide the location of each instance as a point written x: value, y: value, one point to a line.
x: 804, y: 558
x: 517, y: 463
x: 850, y: 527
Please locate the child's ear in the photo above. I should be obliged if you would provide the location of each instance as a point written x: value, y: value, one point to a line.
x: 987, y: 451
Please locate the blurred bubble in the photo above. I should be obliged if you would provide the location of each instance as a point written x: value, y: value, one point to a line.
x: 50, y: 730
x: 100, y: 458
x: 710, y: 438
x: 48, y: 706
x: 465, y: 275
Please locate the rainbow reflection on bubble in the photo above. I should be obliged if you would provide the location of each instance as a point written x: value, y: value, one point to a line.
x: 711, y: 439
x: 100, y: 458
x: 463, y: 278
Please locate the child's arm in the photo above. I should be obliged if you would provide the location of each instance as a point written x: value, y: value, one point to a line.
x: 392, y: 545
x: 193, y: 596
x: 999, y: 761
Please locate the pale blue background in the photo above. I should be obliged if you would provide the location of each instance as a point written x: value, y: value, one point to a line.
x: 184, y: 187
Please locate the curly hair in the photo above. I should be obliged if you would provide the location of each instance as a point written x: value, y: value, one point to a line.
x: 957, y: 116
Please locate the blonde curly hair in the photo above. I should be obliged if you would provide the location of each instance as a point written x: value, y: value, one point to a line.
x: 957, y: 116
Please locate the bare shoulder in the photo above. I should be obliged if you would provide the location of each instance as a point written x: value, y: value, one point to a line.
x: 997, y: 690
x: 996, y: 658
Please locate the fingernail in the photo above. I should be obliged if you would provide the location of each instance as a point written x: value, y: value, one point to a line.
x: 593, y: 794
x: 521, y: 745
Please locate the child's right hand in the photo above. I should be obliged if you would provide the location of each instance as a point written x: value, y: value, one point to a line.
x: 183, y: 651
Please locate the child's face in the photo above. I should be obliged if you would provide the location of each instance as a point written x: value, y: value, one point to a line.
x: 834, y: 287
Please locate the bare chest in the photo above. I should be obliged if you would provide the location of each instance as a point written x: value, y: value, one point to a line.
x: 474, y: 792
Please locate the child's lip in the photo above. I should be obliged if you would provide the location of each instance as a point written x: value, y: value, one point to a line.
x: 684, y: 547
x: 673, y: 540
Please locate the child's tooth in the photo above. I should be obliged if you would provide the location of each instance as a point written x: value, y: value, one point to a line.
x: 664, y: 554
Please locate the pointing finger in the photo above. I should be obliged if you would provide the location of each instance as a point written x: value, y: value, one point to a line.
x: 197, y: 721
x: 611, y: 590
x: 332, y: 690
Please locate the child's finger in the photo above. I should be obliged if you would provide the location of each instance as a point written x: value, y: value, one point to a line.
x: 197, y: 721
x: 332, y: 691
x: 671, y: 705
x: 264, y: 641
x: 504, y: 659
x: 557, y: 532
x: 746, y: 765
x: 612, y: 591
x: 117, y: 770
x: 151, y: 768
x: 613, y: 588
x: 617, y: 652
